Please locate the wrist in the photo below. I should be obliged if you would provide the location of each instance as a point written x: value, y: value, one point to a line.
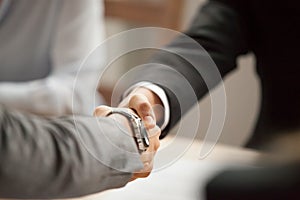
x: 138, y: 130
x: 122, y: 124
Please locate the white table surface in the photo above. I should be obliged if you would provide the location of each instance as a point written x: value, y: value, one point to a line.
x: 185, y: 178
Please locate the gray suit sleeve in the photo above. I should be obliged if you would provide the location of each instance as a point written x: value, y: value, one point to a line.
x: 62, y: 157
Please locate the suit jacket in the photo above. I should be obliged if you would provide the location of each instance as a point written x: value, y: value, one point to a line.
x: 227, y: 29
x: 62, y: 157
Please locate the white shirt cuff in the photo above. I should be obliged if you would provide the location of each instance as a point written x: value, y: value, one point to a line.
x: 160, y: 93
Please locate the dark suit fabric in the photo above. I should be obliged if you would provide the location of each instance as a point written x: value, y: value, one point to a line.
x: 227, y: 29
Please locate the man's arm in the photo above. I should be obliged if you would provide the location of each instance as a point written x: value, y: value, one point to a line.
x: 219, y: 29
x: 63, y: 157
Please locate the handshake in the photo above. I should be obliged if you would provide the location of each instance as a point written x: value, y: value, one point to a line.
x: 141, y: 102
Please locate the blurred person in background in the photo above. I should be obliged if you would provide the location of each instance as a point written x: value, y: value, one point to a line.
x: 42, y: 46
x: 227, y: 29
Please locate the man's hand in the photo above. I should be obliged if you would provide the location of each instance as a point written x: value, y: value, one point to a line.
x: 153, y: 133
x: 146, y: 104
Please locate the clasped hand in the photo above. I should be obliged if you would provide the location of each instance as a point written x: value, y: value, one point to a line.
x: 140, y: 103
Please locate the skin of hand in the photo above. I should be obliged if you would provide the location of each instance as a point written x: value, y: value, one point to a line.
x: 153, y: 134
x: 146, y: 104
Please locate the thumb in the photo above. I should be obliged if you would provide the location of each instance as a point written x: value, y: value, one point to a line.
x: 102, y: 111
x: 142, y: 106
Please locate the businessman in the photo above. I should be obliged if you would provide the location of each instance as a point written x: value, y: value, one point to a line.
x: 227, y: 29
x: 69, y: 156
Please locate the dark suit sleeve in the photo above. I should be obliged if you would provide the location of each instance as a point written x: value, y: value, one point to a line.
x: 64, y: 157
x: 218, y: 28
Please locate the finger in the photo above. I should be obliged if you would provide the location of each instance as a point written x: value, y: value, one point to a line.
x: 141, y: 105
x: 154, y: 146
x: 153, y: 135
x: 140, y: 175
x: 154, y: 132
x: 102, y: 111
x: 145, y: 172
x: 133, y: 178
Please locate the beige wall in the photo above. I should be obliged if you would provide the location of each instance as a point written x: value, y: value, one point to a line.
x: 243, y: 97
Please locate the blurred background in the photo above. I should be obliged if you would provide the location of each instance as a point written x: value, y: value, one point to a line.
x: 242, y: 86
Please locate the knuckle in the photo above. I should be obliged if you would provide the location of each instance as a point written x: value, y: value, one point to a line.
x: 144, y: 175
x: 100, y: 110
x: 135, y: 98
x: 144, y: 106
x: 157, y: 145
x: 97, y: 111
